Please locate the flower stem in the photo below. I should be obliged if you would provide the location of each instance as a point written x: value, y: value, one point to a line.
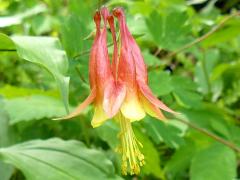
x: 205, y: 36
x: 210, y: 134
x: 198, y: 40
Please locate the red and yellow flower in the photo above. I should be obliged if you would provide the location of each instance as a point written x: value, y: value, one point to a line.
x: 120, y: 89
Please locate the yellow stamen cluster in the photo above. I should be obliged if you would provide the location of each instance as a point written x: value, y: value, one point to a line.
x: 132, y: 158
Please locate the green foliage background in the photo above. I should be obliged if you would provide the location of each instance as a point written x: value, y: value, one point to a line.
x: 44, y: 51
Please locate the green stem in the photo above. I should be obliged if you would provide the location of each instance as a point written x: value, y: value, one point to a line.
x: 210, y: 134
x: 80, y: 75
x: 200, y: 39
x: 7, y: 50
x: 205, y: 36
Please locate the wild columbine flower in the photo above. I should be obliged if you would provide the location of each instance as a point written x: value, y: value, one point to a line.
x: 120, y: 89
x: 100, y: 76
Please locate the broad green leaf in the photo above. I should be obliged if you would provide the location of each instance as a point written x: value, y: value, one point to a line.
x: 33, y: 108
x: 151, y: 156
x: 18, y: 18
x: 217, y: 162
x: 46, y: 52
x: 180, y: 161
x: 171, y: 29
x: 165, y: 132
x: 10, y: 92
x: 56, y: 159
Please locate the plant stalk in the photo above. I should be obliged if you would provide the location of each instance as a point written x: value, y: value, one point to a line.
x: 210, y: 134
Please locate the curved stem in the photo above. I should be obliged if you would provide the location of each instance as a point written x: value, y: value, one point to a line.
x: 3, y: 50
x: 205, y: 36
x: 198, y: 40
x: 210, y: 134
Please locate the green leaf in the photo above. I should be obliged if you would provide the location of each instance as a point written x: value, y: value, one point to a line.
x: 209, y: 117
x: 171, y: 29
x: 73, y: 33
x: 224, y: 69
x: 140, y: 7
x: 152, y: 60
x: 9, y: 92
x: 33, y: 108
x: 229, y: 32
x: 180, y: 160
x: 167, y: 132
x: 235, y: 134
x: 18, y: 18
x: 204, y: 68
x: 4, y: 123
x: 6, y: 170
x: 160, y: 82
x: 46, y: 52
x: 185, y: 92
x: 84, y: 11
x: 217, y: 162
x: 109, y: 133
x: 56, y: 159
x: 41, y: 24
x: 6, y: 43
x: 151, y: 155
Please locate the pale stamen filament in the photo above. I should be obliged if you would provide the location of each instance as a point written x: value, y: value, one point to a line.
x: 132, y: 158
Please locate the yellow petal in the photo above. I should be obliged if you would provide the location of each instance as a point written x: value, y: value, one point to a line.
x: 99, y: 117
x: 151, y: 109
x: 132, y: 108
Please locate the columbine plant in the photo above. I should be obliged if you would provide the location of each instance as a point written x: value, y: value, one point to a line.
x: 120, y: 90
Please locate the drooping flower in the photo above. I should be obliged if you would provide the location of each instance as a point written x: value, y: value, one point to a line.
x: 100, y: 76
x: 133, y: 72
x: 120, y: 89
x: 129, y: 68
